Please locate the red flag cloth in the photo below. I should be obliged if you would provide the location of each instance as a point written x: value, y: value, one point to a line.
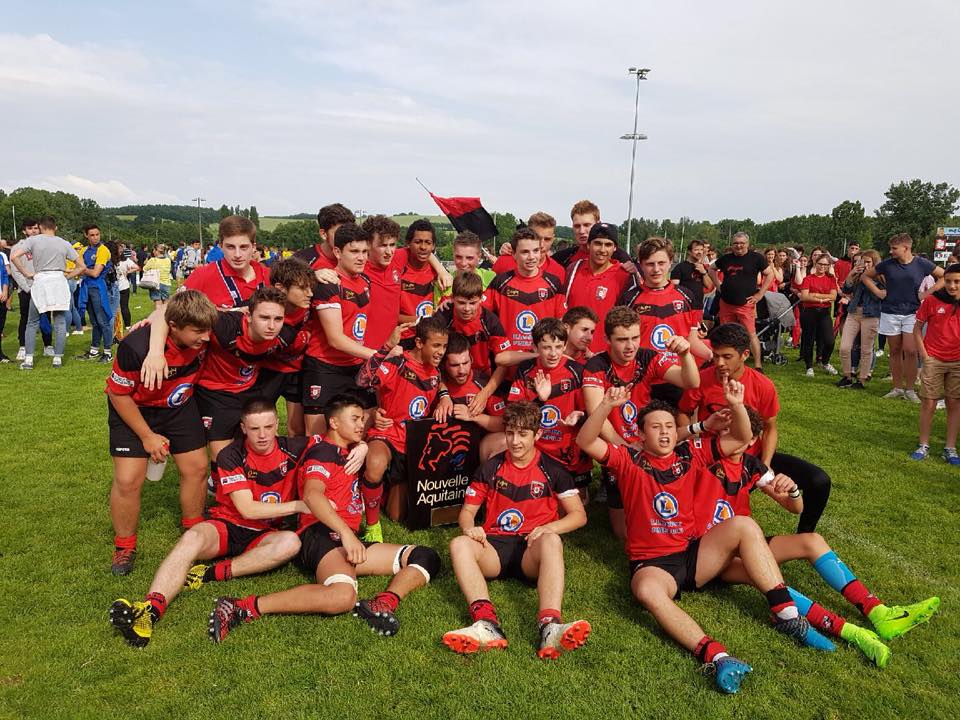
x: 467, y: 213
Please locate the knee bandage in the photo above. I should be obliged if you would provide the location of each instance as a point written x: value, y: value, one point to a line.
x: 424, y: 559
x: 341, y: 578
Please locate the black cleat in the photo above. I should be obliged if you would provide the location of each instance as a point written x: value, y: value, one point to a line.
x: 381, y: 620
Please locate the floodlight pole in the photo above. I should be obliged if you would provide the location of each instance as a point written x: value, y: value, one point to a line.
x: 199, y: 200
x: 641, y: 74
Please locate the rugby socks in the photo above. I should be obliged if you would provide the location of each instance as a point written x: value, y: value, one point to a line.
x: 249, y: 607
x: 158, y: 604
x: 219, y: 571
x: 483, y: 610
x: 127, y: 542
x: 709, y: 650
x: 371, y: 495
x: 838, y: 576
x: 188, y: 523
x: 386, y: 601
x: 782, y: 606
x: 821, y: 618
x: 548, y: 615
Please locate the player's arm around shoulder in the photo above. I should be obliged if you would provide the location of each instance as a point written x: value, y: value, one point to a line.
x: 252, y: 509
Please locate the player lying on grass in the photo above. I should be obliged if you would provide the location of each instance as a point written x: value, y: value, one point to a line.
x: 723, y: 491
x: 521, y: 491
x: 256, y: 487
x: 329, y: 548
x: 656, y: 485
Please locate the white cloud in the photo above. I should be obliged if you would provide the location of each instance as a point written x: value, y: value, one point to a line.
x: 105, y: 192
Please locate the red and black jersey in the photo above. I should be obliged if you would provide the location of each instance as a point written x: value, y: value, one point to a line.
x: 664, y: 312
x: 484, y: 333
x: 223, y: 286
x: 384, y: 312
x: 507, y: 263
x: 647, y: 369
x: 352, y: 297
x: 406, y: 390
x: 566, y: 380
x: 416, y: 293
x: 658, y: 494
x: 723, y: 489
x: 595, y: 290
x: 518, y: 500
x: 183, y: 366
x: 325, y: 461
x: 520, y: 302
x: 294, y: 339
x: 315, y: 258
x: 234, y: 359
x: 464, y: 394
x: 272, y: 478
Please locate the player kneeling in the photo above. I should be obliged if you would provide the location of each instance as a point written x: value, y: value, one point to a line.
x: 256, y: 486
x: 521, y: 490
x: 329, y: 545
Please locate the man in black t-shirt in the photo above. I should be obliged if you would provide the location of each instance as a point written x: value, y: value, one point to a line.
x: 738, y: 290
x: 691, y: 275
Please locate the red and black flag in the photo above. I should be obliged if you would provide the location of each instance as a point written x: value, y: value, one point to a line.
x: 467, y: 213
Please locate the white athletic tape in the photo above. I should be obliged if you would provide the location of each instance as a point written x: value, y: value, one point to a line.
x: 341, y: 578
x: 766, y: 479
x: 423, y: 571
x: 397, y: 567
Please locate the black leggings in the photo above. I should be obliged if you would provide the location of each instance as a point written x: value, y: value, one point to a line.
x: 812, y: 481
x: 815, y: 326
x: 125, y: 307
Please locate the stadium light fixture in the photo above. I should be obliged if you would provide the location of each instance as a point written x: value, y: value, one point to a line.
x: 641, y: 74
x: 199, y: 200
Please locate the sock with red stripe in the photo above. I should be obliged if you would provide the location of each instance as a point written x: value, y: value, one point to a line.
x: 387, y: 600
x: 782, y: 606
x: 821, y: 618
x: 125, y: 542
x: 249, y: 604
x: 548, y: 615
x: 158, y: 604
x: 188, y: 523
x: 483, y: 610
x: 219, y: 571
x: 708, y: 650
x: 371, y: 495
x: 838, y: 576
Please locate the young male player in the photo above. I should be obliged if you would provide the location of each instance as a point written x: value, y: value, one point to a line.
x: 230, y: 281
x: 150, y: 423
x: 521, y: 491
x: 256, y: 488
x: 597, y: 280
x: 691, y: 276
x: 385, y: 263
x: 521, y: 298
x: 581, y: 324
x: 321, y: 256
x: 467, y: 254
x: 545, y: 228
x: 583, y: 216
x: 464, y: 384
x: 731, y: 347
x: 407, y: 386
x: 418, y: 276
x: 656, y: 485
x: 329, y: 548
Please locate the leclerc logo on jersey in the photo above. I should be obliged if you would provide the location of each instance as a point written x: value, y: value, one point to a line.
x: 629, y: 412
x: 549, y: 416
x: 525, y: 321
x: 179, y: 395
x: 665, y: 505
x: 418, y: 407
x: 510, y: 520
x: 723, y: 511
x: 425, y: 309
x: 272, y: 498
x: 359, y: 327
x: 660, y: 336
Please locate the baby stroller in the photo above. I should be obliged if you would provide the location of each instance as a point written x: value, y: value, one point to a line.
x: 774, y: 316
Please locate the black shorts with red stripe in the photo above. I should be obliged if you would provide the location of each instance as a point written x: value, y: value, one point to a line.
x: 682, y: 567
x: 180, y: 425
x: 315, y: 543
x: 237, y: 539
x: 321, y: 382
x: 220, y: 411
x: 273, y: 385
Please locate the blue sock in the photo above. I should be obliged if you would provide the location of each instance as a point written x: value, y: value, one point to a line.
x: 802, y: 602
x: 832, y: 569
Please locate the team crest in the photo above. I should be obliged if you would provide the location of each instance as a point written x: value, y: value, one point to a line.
x: 601, y: 292
x: 536, y: 488
x: 542, y: 292
x: 678, y: 305
x: 566, y: 385
x: 315, y: 392
x: 207, y: 422
x: 283, y: 467
x: 677, y: 469
x: 396, y: 277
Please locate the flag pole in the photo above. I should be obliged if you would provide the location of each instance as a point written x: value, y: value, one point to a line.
x: 422, y: 185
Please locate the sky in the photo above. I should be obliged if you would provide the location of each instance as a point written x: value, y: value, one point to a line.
x: 752, y: 109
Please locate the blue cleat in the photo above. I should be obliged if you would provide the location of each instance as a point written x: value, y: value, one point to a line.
x: 730, y: 673
x: 800, y: 630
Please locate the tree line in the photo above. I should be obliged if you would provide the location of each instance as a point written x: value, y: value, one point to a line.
x: 914, y: 206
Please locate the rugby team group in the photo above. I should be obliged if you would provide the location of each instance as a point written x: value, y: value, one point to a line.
x: 564, y: 360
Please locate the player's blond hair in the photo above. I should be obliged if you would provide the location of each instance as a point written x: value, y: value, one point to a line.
x: 191, y: 308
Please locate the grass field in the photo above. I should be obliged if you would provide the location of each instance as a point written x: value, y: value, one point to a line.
x: 893, y: 521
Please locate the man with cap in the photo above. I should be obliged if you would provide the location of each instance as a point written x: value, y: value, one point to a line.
x: 597, y: 280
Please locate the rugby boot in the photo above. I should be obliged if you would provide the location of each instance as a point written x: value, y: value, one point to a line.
x: 482, y: 635
x: 894, y: 620
x: 556, y: 638
x: 133, y: 620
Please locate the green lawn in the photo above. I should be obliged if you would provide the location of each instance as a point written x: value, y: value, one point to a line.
x: 894, y: 522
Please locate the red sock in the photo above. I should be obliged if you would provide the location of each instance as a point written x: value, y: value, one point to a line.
x: 856, y: 592
x: 128, y: 542
x: 823, y: 619
x: 708, y: 649
x: 548, y: 615
x: 223, y: 570
x: 483, y: 610
x: 188, y: 523
x: 371, y: 495
x: 249, y: 603
x: 388, y: 600
x: 158, y: 604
